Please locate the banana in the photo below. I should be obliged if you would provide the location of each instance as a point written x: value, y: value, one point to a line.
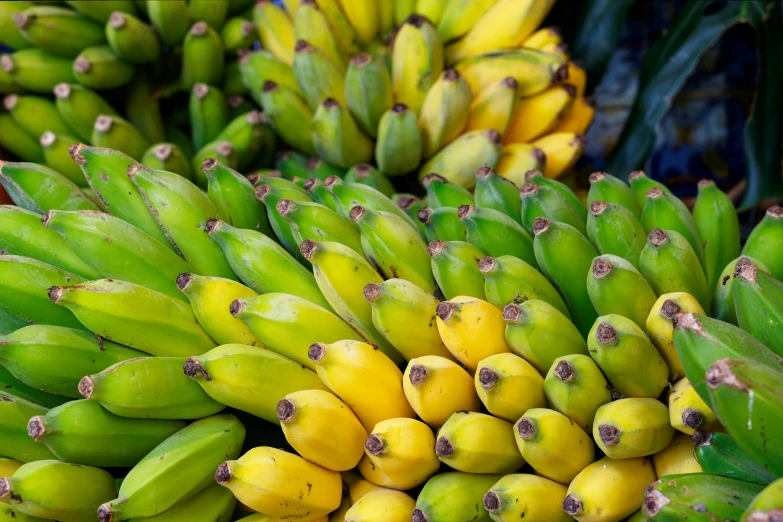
x: 496, y: 192
x: 58, y: 30
x: 318, y: 78
x: 36, y: 115
x: 196, y: 450
x: 57, y: 157
x: 211, y: 298
x: 615, y: 286
x: 238, y: 33
x: 15, y: 140
x: 723, y: 298
x: 508, y: 279
x: 368, y: 92
x: 442, y: 224
x: 250, y: 378
x: 131, y: 39
x: 252, y: 138
x: 667, y: 212
x: 630, y: 428
x: 539, y: 201
x: 575, y: 387
x: 565, y: 257
x: 83, y: 432
x: 746, y: 395
x: 444, y: 112
x: 437, y: 387
x: 660, y: 327
x: 757, y: 300
x: 341, y: 275
x: 544, y: 37
x: 322, y: 428
x: 170, y: 18
x: 516, y: 159
x: 117, y: 249
x: 627, y: 357
x: 106, y: 172
x: 608, y: 490
x: 398, y: 147
x: 25, y: 282
x: 411, y: 206
x: 561, y: 150
x: 458, y: 17
x: 363, y: 17
x: 203, y: 58
x: 404, y: 451
x: 69, y: 355
x: 288, y: 115
x: 12, y: 36
x: 536, y: 115
x: 454, y: 497
x: 99, y: 68
x: 456, y: 270
x: 213, y: 13
x: 57, y: 490
x: 641, y: 184
x: 259, y: 67
x: 310, y: 23
x: 579, y: 117
x: 270, y: 196
x: 478, y: 443
x: 676, y: 458
x: 444, y: 193
x: 526, y: 496
x: 355, y: 486
x: 613, y: 229
x: 36, y: 70
x: 575, y: 201
x: 13, y: 430
x: 496, y: 234
x: 459, y: 160
x: 313, y: 221
x: 149, y: 388
x: 281, y: 484
x: 18, y: 389
x: 701, y: 340
x: 669, y: 264
x: 208, y: 113
x: 212, y: 503
x: 764, y: 244
x: 494, y: 107
x: 417, y: 61
x: 392, y: 506
x: 39, y: 189
x: 7, y: 469
x: 719, y: 453
x: 233, y: 195
x: 368, y: 175
x: 112, y: 132
x: 348, y: 195
x: 135, y: 316
x: 291, y: 164
x: 698, y: 496
x: 687, y: 412
x: 766, y: 505
x: 337, y: 138
x: 509, y: 386
x: 533, y: 70
x: 142, y: 106
x: 610, y: 189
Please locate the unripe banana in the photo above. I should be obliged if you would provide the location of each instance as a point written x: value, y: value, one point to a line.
x: 669, y: 264
x: 723, y: 298
x: 112, y: 132
x: 575, y: 387
x: 629, y: 428
x: 259, y: 67
x: 676, y: 458
x: 291, y: 164
x: 318, y: 78
x: 508, y: 279
x: 56, y: 156
x: 764, y: 242
x: 444, y: 112
x: 337, y: 138
x: 456, y: 270
x: 148, y: 489
x: 437, y: 387
x: 36, y: 115
x: 270, y: 196
x: 321, y: 170
x: 757, y: 300
x: 478, y: 443
x: 289, y: 115
x: 687, y: 412
x: 368, y: 175
x: 348, y: 195
x: 719, y: 453
x: 57, y: 490
x: 392, y: 506
x: 99, y: 68
x: 17, y: 388
x: 202, y: 56
x: 368, y: 92
x: 281, y: 484
x: 208, y: 113
x: 537, y: 115
x: 58, y: 30
x: 454, y: 497
x: 516, y: 159
x: 573, y: 200
x: 170, y: 18
x: 660, y: 327
x: 13, y: 430
x: 615, y: 286
x: 561, y: 150
x: 608, y: 490
x: 610, y: 189
x: 472, y: 329
x: 496, y: 234
x: 404, y: 451
x: 497, y: 193
x: 12, y: 36
x: 131, y: 39
x: 233, y: 195
x: 214, y: 13
x: 459, y: 160
x: 398, y: 148
x: 238, y: 33
x: 40, y: 189
x: 411, y: 206
x: 667, y: 212
x: 494, y: 107
x: 288, y: 324
x: 613, y: 229
x: 533, y: 498
x: 364, y: 378
x: 641, y: 184
x: 626, y: 356
x: 36, y: 70
x: 444, y: 193
x: 212, y: 503
x: 15, y: 140
x: 316, y: 222
x: 545, y: 202
x: 509, y: 386
x: 417, y: 61
x: 83, y: 432
x: 442, y: 224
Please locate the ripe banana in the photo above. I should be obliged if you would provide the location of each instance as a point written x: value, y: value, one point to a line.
x: 368, y: 92
x: 494, y: 107
x: 630, y: 428
x: 508, y: 279
x: 478, y: 443
x: 561, y: 150
x: 417, y: 61
x: 537, y: 115
x: 764, y: 244
x: 398, y: 145
x: 660, y: 327
x: 509, y: 386
x: 533, y: 498
x: 444, y: 112
x: 516, y: 159
x: 676, y: 458
x: 687, y: 412
x: 40, y: 189
x: 613, y: 229
x: 459, y: 160
x: 580, y: 116
x: 498, y: 193
x: 403, y: 450
x: 454, y: 496
x: 534, y: 70
x: 392, y: 506
x: 16, y: 412
x: 615, y: 286
x: 757, y: 300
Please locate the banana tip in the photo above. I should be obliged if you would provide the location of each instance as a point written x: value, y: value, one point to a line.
x: 198, y: 29
x: 605, y: 333
x: 200, y: 90
x: 654, y: 193
x: 444, y: 310
x: 103, y: 123
x: 418, y: 374
x: 564, y: 371
x: 236, y: 307
x: 47, y: 139
x: 55, y: 293
x: 193, y: 368
x: 374, y: 445
x: 609, y: 434
x: 361, y: 60
x: 511, y: 312
x: 117, y: 19
x: 701, y: 438
x: 526, y: 428
x: 540, y: 225
x: 82, y: 65
x: 775, y: 211
x: 443, y: 447
x: 597, y: 207
x: 435, y: 247
x: 162, y: 151
x: 560, y: 74
x: 284, y: 206
x: 46, y: 218
x: 687, y: 321
x: 572, y: 505
x: 657, y: 236
x: 75, y: 152
x: 5, y: 487
x: 184, y: 280
x: 484, y: 172
x: 211, y: 225
x: 261, y: 191
x: 486, y: 264
x: 331, y: 181
x: 86, y: 387
x: 307, y: 247
x: 464, y: 211
x: 692, y: 418
x: 488, y: 378
x: 7, y: 63
x: 492, y: 502
x: 10, y: 101
x: 285, y: 410
x: 595, y: 177
x: 636, y: 174
x: 669, y: 309
x: 419, y: 516
x: 601, y: 268
x: 653, y: 502
x: 528, y: 189
x: 316, y: 352
x: 532, y: 173
x: 721, y: 374
x: 36, y: 428
x: 746, y: 270
x: 423, y: 216
x: 371, y: 292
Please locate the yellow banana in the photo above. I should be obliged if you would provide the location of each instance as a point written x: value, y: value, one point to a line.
x: 516, y: 159
x: 534, y: 71
x: 472, y: 330
x: 478, y: 443
x: 536, y: 115
x: 543, y: 37
x: 358, y: 486
x: 322, y: 429
x: 508, y: 386
x: 579, y: 118
x: 528, y: 497
x: 562, y: 150
x: 9, y: 466
x: 459, y: 160
x: 494, y: 106
x: 577, y: 77
x: 311, y: 24
x: 660, y: 327
x: 688, y: 412
x: 363, y: 17
x: 417, y: 61
x: 275, y: 29
x: 635, y: 427
x: 437, y: 387
x: 404, y: 450
x: 459, y: 16
x: 389, y: 506
x: 364, y: 378
x: 444, y: 112
x: 676, y: 458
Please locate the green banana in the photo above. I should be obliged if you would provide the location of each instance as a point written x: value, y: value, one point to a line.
x: 398, y: 147
x: 223, y: 151
x: 208, y: 114
x: 444, y: 111
x: 459, y: 160
x: 417, y: 61
x: 541, y: 201
x: 209, y: 11
x: 57, y: 490
x: 565, y: 257
x: 669, y: 264
x: 101, y: 12
x: 718, y: 226
x: 112, y: 132
x: 83, y: 432
x: 180, y: 467
x: 319, y: 223
x: 23, y: 234
x: 36, y: 70
x: 367, y: 175
x: 764, y: 242
x: 576, y: 203
x: 15, y: 140
x: 336, y: 137
x: 39, y: 189
x: 604, y: 187
x: 234, y: 197
x: 17, y: 388
x: 758, y: 300
x: 54, y: 358
x: 613, y: 229
x: 539, y: 333
x: 250, y: 135
x: 270, y: 196
x: 411, y: 205
x: 317, y: 76
x: 498, y: 193
x: 182, y: 210
x: 135, y: 316
x: 615, y: 286
x: 444, y: 193
x: 443, y: 224
x: 99, y: 68
x: 249, y: 378
x: 12, y: 36
x: 455, y: 265
x: 169, y: 157
x: 57, y: 156
x: 454, y: 497
x: 368, y: 92
x: 315, y: 189
x: 766, y: 505
x: 667, y: 212
x: 212, y: 503
x: 701, y: 340
x: 149, y: 388
x: 131, y: 39
x: 496, y: 234
x: 25, y: 281
x: 575, y: 386
x: 170, y: 18
x: 526, y: 496
x: 116, y: 249
x: 291, y: 164
x: 142, y: 107
x: 289, y: 115
x: 13, y: 429
x: 393, y: 247
x: 203, y: 59
x: 719, y: 453
x: 58, y: 30
x: 237, y: 33
x: 508, y: 279
x: 36, y: 115
x: 723, y: 298
x: 259, y: 67
x: 640, y: 184
x: 348, y: 195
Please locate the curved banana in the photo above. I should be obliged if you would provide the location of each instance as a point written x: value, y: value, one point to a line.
x: 575, y: 387
x: 478, y: 443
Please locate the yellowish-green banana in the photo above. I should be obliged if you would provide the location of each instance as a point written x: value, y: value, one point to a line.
x: 403, y: 450
x: 575, y: 387
x: 629, y: 428
x: 533, y: 498
x: 509, y: 386
x: 417, y: 61
x: 478, y: 443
